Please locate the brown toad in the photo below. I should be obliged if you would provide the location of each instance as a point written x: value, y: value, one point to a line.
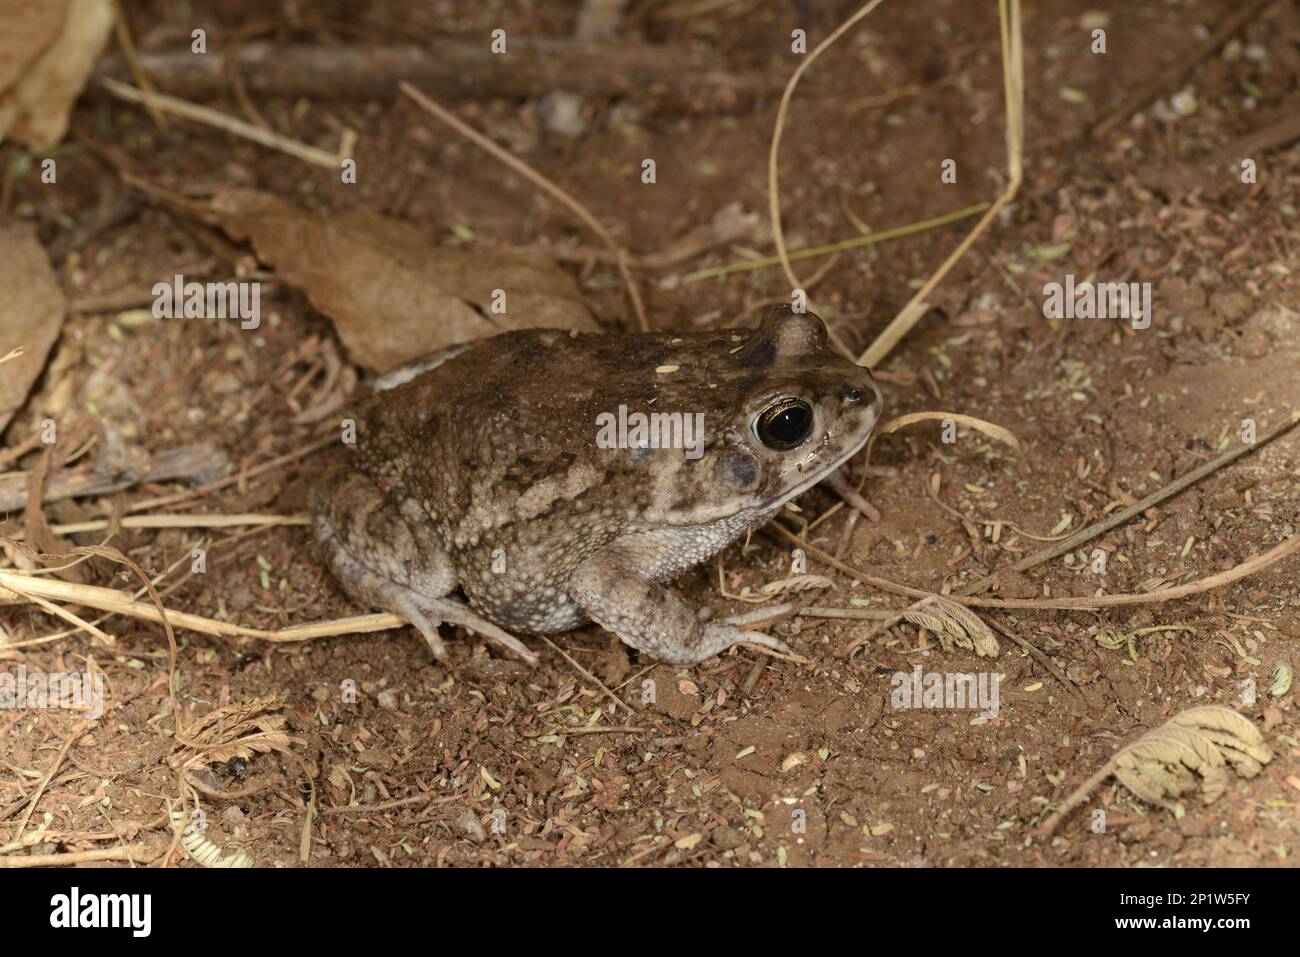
x: 558, y: 478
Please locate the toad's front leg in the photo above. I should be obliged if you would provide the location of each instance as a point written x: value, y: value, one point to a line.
x: 614, y: 589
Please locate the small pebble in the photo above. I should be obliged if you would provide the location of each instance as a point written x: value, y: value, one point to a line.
x: 1183, y: 102
x: 469, y: 826
x: 561, y: 113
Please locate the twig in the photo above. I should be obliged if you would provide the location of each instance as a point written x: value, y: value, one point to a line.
x: 383, y: 806
x: 1123, y: 515
x: 852, y: 497
x: 123, y: 31
x: 888, y: 619
x: 1077, y: 797
x: 179, y: 520
x: 1013, y: 81
x: 78, y: 624
x: 1173, y: 76
x: 1244, y: 570
x: 121, y: 603
x: 537, y: 179
x: 1037, y: 655
x: 186, y: 462
x: 77, y: 731
x: 774, y: 151
x: 587, y: 674
x: 223, y: 121
x: 679, y: 77
x: 243, y: 475
x: 131, y: 853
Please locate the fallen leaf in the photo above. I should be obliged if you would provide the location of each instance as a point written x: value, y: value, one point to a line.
x: 46, y: 56
x: 393, y: 295
x: 31, y: 314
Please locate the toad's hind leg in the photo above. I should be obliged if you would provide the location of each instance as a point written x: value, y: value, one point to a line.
x: 384, y: 560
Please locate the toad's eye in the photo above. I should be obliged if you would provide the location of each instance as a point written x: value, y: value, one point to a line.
x: 784, y: 424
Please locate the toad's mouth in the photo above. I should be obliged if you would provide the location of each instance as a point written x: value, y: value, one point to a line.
x: 817, y: 476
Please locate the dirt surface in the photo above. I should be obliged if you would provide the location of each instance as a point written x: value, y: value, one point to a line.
x: 744, y: 760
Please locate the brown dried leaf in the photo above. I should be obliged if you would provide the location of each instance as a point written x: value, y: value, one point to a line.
x: 955, y: 624
x: 47, y: 53
x: 393, y: 295
x: 797, y: 583
x: 31, y: 314
x: 242, y: 748
x: 1165, y: 762
x: 236, y: 719
x: 241, y: 729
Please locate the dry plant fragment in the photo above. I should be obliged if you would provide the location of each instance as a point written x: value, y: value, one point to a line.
x: 1167, y: 762
x: 31, y: 314
x: 239, y: 730
x: 200, y: 849
x: 392, y: 295
x: 155, y: 102
x: 537, y: 179
x: 46, y: 57
x: 991, y: 429
x: 1013, y: 83
x: 796, y: 583
x: 954, y: 624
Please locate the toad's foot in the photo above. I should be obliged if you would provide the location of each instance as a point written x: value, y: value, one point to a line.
x: 386, y: 560
x: 425, y: 614
x: 439, y: 610
x: 731, y: 627
x: 718, y: 637
x: 612, y: 589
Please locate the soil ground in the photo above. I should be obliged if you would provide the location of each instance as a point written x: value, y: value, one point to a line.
x: 744, y: 760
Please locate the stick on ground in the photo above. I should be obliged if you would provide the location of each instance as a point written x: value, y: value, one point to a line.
x: 222, y: 121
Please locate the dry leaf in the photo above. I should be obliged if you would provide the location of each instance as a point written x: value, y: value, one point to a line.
x: 31, y: 314
x: 48, y: 50
x: 1194, y: 746
x: 796, y: 583
x: 393, y: 295
x: 955, y: 624
x: 239, y: 730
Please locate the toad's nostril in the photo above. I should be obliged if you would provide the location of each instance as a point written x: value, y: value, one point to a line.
x: 850, y: 395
